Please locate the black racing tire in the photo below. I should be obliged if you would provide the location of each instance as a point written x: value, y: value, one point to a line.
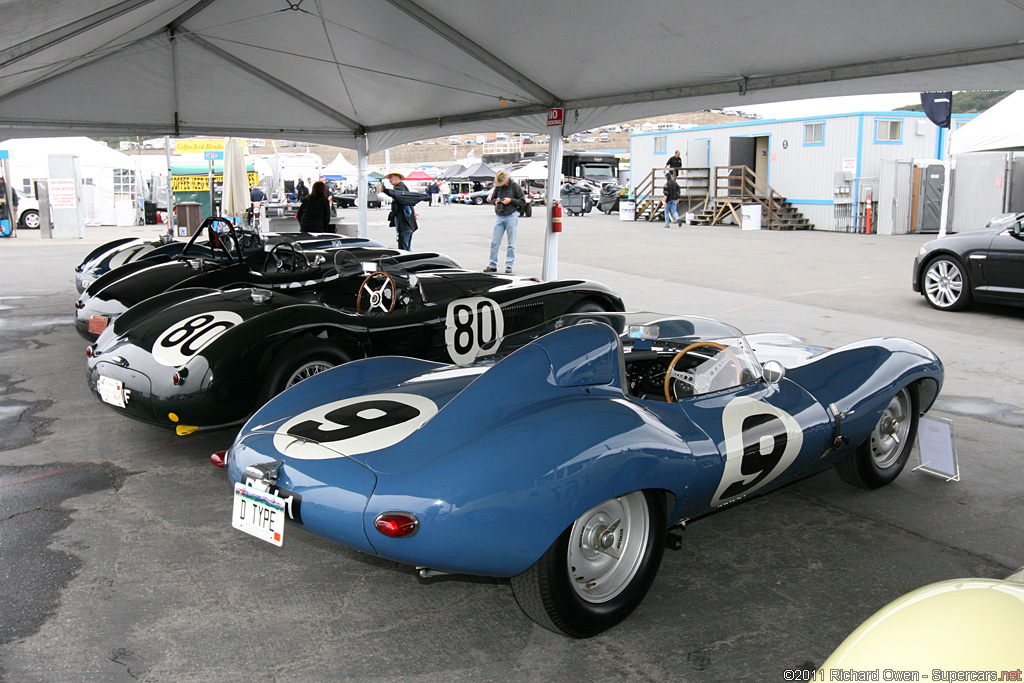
x: 578, y: 591
x: 478, y: 200
x: 946, y: 284
x: 588, y: 306
x: 297, y: 360
x: 528, y: 212
x: 883, y: 455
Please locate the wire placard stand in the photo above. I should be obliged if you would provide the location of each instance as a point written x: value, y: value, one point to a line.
x: 936, y: 447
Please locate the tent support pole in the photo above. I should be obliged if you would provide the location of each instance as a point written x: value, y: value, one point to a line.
x: 944, y: 212
x: 549, y: 270
x: 362, y: 194
x: 171, y: 229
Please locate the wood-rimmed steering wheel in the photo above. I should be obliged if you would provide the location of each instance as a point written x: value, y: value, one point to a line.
x: 699, y: 382
x: 379, y: 288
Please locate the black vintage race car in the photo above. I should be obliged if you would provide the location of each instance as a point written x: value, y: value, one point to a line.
x: 984, y: 265
x: 194, y: 358
x: 116, y: 253
x: 239, y: 259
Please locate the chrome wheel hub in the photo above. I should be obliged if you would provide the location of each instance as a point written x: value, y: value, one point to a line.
x: 888, y: 439
x: 606, y: 547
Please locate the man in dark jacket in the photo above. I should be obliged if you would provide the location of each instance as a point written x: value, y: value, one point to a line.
x: 403, y: 214
x: 671, y: 193
x: 508, y: 198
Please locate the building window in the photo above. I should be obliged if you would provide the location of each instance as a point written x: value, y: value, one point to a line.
x: 887, y: 130
x: 123, y: 181
x: 814, y: 133
x: 660, y: 144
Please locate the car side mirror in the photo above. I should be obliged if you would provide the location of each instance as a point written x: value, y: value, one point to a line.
x: 1015, y: 230
x: 773, y: 371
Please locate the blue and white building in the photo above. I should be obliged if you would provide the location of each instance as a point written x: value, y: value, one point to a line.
x: 826, y: 166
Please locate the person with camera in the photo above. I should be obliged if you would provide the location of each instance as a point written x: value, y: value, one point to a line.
x: 508, y: 198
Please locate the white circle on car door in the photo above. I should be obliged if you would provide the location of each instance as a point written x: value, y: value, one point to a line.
x: 761, y: 442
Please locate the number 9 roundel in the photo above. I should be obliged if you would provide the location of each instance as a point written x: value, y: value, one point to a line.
x: 183, y: 340
x: 761, y: 442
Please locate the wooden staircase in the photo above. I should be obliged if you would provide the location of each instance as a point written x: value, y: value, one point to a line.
x: 733, y: 187
x: 694, y: 186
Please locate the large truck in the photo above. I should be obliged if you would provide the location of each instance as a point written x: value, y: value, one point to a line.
x: 596, y: 169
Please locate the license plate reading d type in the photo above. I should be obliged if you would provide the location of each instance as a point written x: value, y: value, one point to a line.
x: 259, y: 514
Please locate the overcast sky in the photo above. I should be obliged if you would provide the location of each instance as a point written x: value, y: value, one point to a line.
x: 831, y: 105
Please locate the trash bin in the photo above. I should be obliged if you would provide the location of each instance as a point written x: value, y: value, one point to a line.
x: 190, y: 216
x: 751, y: 215
x: 149, y: 208
x: 627, y: 210
x: 576, y: 200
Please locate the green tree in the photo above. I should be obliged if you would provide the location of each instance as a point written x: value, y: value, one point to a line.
x: 969, y: 101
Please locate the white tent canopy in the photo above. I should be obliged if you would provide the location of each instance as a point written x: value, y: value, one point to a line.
x: 393, y: 71
x: 999, y: 129
x: 340, y: 167
x: 535, y: 170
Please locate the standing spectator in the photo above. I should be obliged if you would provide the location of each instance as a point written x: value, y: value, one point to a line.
x: 446, y: 192
x: 402, y: 216
x: 508, y: 199
x: 315, y: 211
x: 12, y: 214
x: 256, y: 195
x: 671, y: 193
x: 435, y: 193
x: 674, y: 163
x: 301, y: 191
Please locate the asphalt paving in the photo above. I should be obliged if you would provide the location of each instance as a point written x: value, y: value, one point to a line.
x: 118, y: 561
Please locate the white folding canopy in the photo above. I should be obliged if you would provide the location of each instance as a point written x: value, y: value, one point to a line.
x: 1000, y: 128
x: 376, y: 74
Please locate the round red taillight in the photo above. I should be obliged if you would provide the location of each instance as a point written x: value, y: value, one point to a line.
x: 396, y: 524
x: 219, y: 459
x: 176, y: 378
x: 88, y: 352
x: 79, y: 304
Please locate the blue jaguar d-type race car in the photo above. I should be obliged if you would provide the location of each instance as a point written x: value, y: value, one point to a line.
x: 564, y: 464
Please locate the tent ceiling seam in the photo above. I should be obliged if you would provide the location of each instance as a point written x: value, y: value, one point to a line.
x: 275, y: 82
x: 893, y: 67
x: 475, y: 51
x: 50, y: 38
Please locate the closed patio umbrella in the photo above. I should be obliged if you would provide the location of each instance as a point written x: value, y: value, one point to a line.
x: 235, y: 201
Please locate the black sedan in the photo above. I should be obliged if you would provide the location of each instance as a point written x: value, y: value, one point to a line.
x: 982, y: 265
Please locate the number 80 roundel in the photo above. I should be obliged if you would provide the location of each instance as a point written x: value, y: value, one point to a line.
x: 472, y: 327
x: 183, y: 340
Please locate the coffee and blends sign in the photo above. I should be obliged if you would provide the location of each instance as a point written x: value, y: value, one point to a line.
x: 201, y: 183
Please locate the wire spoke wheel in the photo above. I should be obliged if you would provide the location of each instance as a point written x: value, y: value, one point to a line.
x: 306, y: 371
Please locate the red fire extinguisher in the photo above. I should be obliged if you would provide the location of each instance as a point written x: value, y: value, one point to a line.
x: 556, y: 217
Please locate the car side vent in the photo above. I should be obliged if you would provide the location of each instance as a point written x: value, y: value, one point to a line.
x: 522, y: 316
